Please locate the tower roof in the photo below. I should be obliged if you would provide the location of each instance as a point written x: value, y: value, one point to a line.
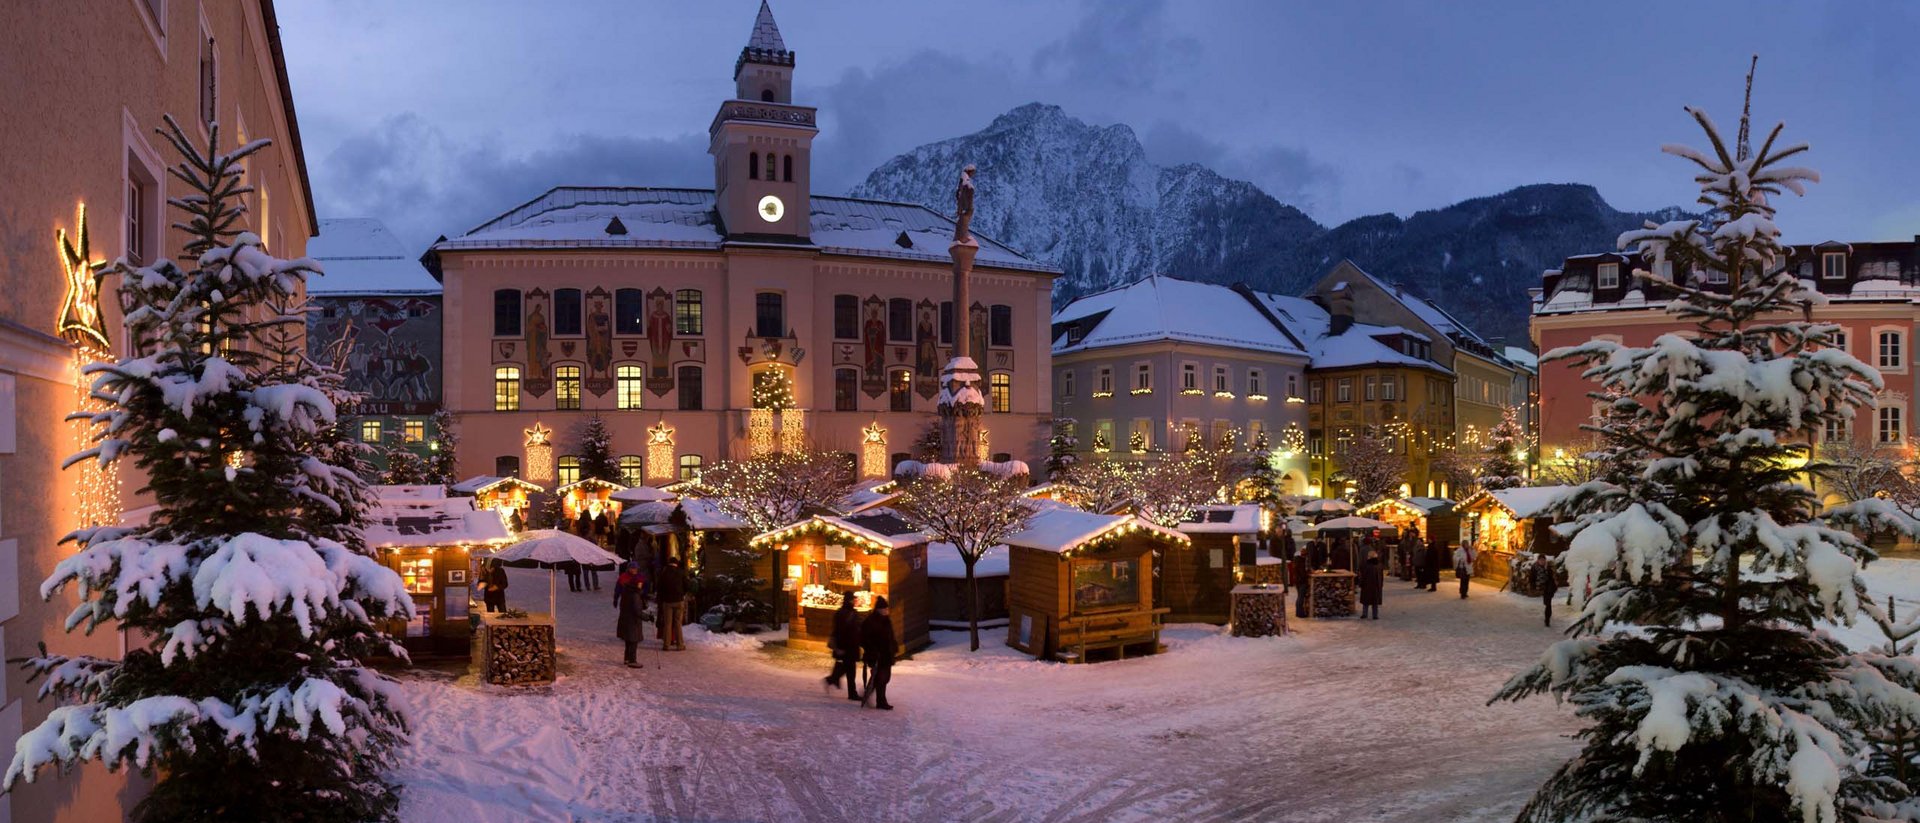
x: 766, y: 34
x: 764, y: 44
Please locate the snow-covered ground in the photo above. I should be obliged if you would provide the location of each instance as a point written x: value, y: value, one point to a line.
x: 1344, y: 721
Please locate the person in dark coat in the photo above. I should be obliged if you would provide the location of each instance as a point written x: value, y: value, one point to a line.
x: 629, y: 602
x: 572, y: 570
x: 844, y: 643
x: 1318, y: 549
x: 876, y: 647
x: 496, y: 587
x: 670, y: 587
x: 1436, y: 558
x: 1287, y: 547
x: 1549, y: 585
x: 1372, y: 580
x: 1298, y: 577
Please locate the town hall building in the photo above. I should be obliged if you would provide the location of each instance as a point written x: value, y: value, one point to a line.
x: 712, y: 324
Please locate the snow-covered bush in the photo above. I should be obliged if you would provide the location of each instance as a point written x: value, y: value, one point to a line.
x: 245, y: 598
x: 1708, y: 689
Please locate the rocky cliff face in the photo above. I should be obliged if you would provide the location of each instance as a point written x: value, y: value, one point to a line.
x: 1086, y: 198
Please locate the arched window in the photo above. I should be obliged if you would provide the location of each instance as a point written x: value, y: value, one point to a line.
x: 691, y: 388
x: 566, y: 388
x: 1000, y: 392
x: 506, y: 313
x: 627, y: 382
x: 569, y: 469
x: 771, y: 168
x: 631, y: 473
x: 629, y: 311
x: 786, y: 169
x: 566, y: 311
x: 506, y: 388
x: 689, y: 467
x: 846, y: 389
x: 753, y: 166
x: 766, y: 95
x: 900, y: 390
x: 687, y: 315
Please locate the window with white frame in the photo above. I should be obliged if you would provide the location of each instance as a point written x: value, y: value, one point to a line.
x: 1104, y: 384
x: 1222, y: 381
x: 1143, y: 377
x: 1189, y: 377
x: 1389, y: 388
x: 1838, y: 429
x: 1833, y: 266
x: 1890, y: 431
x: 1839, y: 338
x: 1608, y: 276
x: 1314, y: 391
x: 1892, y: 350
x: 1256, y: 383
x: 1371, y: 381
x: 1716, y: 276
x: 1066, y: 383
x: 1343, y: 390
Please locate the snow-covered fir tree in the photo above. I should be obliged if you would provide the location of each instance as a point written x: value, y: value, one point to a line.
x: 1501, y: 468
x: 596, y: 451
x: 1374, y: 467
x: 244, y: 598
x: 1708, y: 690
x: 443, y: 462
x: 1062, y: 448
x: 405, y: 467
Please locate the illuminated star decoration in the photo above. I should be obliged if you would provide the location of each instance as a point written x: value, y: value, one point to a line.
x: 80, y: 321
x: 538, y: 435
x: 660, y: 452
x: 539, y: 453
x: 873, y: 451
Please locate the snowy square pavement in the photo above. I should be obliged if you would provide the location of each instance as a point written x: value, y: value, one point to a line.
x: 1344, y: 721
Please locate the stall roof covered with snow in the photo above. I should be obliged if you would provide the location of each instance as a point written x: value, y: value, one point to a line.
x: 874, y: 532
x: 399, y: 521
x: 1068, y: 530
x: 360, y: 256
x: 1243, y: 519
x: 1520, y: 503
x: 475, y: 486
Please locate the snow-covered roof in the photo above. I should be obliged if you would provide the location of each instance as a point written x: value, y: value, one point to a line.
x: 1240, y: 519
x: 651, y: 513
x: 1063, y: 530
x: 1421, y: 506
x: 1360, y: 346
x: 704, y: 516
x: 486, y: 482
x: 943, y: 560
x: 866, y: 495
x: 422, y: 491
x: 875, y: 532
x: 359, y: 255
x: 400, y: 522
x: 578, y: 216
x: 590, y: 484
x: 1521, y: 357
x: 1523, y: 502
x: 1168, y: 308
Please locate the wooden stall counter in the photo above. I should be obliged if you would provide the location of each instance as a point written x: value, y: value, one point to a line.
x: 1333, y: 593
x: 1259, y: 610
x: 514, y: 650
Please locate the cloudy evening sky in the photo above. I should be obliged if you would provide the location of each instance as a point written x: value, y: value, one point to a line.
x: 436, y: 115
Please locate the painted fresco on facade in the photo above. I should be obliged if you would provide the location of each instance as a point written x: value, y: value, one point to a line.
x: 393, y: 349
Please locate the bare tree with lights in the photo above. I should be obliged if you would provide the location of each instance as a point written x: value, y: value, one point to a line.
x: 974, y: 511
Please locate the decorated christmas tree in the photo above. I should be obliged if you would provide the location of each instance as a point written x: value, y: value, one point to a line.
x: 1709, y: 688
x: 596, y: 451
x: 1501, y: 468
x: 245, y: 599
x: 1061, y: 448
x: 772, y: 389
x: 443, y: 461
x: 404, y: 466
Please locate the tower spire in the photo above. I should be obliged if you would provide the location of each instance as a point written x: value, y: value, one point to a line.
x: 766, y: 33
x: 1741, y: 150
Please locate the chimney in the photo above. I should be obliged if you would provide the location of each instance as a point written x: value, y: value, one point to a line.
x: 1339, y: 311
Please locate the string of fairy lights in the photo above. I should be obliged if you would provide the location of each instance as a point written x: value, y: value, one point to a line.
x: 97, y: 491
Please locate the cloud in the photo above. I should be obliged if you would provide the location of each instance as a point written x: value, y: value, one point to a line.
x: 1118, y: 47
x: 425, y: 183
x: 1292, y: 175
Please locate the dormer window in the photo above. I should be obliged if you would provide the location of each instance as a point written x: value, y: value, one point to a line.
x: 1833, y: 266
x: 1608, y: 276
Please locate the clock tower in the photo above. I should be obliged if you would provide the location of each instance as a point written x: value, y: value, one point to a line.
x: 762, y: 144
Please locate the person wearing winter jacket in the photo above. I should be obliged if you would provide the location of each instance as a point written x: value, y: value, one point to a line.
x: 1463, y: 567
x: 1298, y: 577
x: 876, y: 646
x: 1549, y: 585
x: 670, y: 588
x: 1435, y: 559
x: 496, y: 587
x: 1372, y: 581
x: 630, y: 604
x: 844, y: 643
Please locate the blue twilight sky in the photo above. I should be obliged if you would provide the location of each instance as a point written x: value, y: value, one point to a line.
x: 436, y: 115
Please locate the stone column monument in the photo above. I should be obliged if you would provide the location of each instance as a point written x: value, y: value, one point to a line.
x: 960, y: 403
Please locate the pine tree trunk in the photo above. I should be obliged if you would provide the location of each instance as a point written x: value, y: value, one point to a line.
x: 973, y: 604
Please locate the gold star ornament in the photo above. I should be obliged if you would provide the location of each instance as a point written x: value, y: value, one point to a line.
x: 81, y: 322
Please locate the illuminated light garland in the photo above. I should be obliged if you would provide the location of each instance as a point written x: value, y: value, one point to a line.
x: 1140, y: 391
x: 793, y: 431
x: 1296, y: 400
x: 1137, y: 442
x: 1192, y: 392
x: 759, y: 432
x: 984, y: 451
x: 1100, y: 394
x: 80, y: 322
x: 97, y: 494
x: 1257, y: 397
x: 873, y: 451
x: 660, y: 464
x: 1293, y: 438
x: 539, y: 448
x: 1224, y: 395
x: 1100, y: 443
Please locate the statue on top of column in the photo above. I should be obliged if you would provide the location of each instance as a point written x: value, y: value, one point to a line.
x: 963, y: 207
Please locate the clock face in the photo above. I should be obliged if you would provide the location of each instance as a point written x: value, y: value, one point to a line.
x: 771, y: 209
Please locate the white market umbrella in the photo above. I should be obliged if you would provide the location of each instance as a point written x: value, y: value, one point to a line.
x: 1330, y: 505
x: 643, y: 494
x: 547, y: 549
x: 1347, y: 526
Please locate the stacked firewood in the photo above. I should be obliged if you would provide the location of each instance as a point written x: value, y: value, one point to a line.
x: 1259, y: 614
x: 519, y: 654
x: 1333, y: 594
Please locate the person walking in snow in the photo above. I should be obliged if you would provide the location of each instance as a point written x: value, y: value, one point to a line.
x: 572, y: 568
x: 629, y: 602
x: 1436, y: 558
x: 844, y: 643
x: 1298, y: 578
x: 670, y: 587
x: 1463, y: 567
x: 1549, y: 584
x: 876, y: 646
x: 1372, y: 580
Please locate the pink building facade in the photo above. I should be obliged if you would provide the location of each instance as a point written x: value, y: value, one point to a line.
x: 1873, y: 295
x: 673, y: 313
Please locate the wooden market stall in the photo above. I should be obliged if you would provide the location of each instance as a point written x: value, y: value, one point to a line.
x: 590, y: 500
x: 826, y: 559
x: 1197, y: 580
x: 1080, y: 583
x: 1421, y: 518
x: 510, y: 496
x: 428, y: 539
x: 1503, y: 524
x: 947, y: 587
